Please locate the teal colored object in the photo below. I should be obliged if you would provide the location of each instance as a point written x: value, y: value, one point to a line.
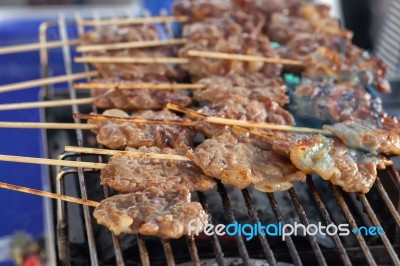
x: 291, y: 79
x: 275, y: 45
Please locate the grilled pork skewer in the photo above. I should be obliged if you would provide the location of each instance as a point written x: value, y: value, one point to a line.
x: 168, y: 212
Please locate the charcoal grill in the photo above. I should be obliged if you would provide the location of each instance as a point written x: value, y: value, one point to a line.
x: 80, y: 241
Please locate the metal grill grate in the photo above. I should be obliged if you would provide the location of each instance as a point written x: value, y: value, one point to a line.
x: 346, y: 251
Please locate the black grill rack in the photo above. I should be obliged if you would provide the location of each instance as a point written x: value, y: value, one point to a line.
x: 378, y: 208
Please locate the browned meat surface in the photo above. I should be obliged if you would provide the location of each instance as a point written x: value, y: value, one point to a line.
x: 283, y: 28
x: 200, y: 10
x: 227, y: 35
x: 119, y: 135
x: 330, y: 104
x: 130, y: 99
x: 135, y: 70
x: 267, y: 7
x: 353, y: 170
x: 152, y: 212
x: 242, y: 164
x: 126, y: 174
x: 323, y: 55
x: 384, y: 138
x: 115, y: 34
x: 254, y: 87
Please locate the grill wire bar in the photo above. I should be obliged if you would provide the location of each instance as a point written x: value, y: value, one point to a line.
x: 62, y: 226
x: 116, y: 243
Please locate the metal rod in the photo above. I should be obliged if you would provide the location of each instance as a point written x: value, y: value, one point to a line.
x: 168, y: 252
x: 193, y: 251
x: 269, y: 254
x: 389, y: 204
x: 68, y: 69
x: 231, y: 218
x: 304, y: 220
x: 144, y: 255
x: 289, y: 242
x: 327, y: 219
x: 219, y: 255
x: 371, y: 214
x: 350, y: 219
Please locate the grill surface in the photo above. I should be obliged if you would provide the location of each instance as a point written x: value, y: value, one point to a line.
x: 79, y: 237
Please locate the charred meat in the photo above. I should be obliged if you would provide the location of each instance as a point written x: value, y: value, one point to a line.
x: 242, y: 164
x: 351, y: 169
x: 119, y: 135
x: 375, y: 138
x: 153, y: 212
x: 126, y: 173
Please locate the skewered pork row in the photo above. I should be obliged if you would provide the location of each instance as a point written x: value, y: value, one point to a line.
x: 116, y: 34
x: 375, y: 138
x: 228, y: 35
x: 152, y: 211
x: 129, y: 174
x: 119, y: 135
x: 322, y: 55
x: 242, y: 164
x: 199, y: 10
x: 139, y: 99
x: 351, y: 169
x: 252, y: 86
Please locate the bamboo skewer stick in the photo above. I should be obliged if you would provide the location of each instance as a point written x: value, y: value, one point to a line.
x: 34, y: 46
x: 55, y: 103
x: 241, y: 57
x: 53, y: 162
x: 49, y: 194
x: 129, y: 45
x: 133, y: 21
x: 97, y: 117
x: 138, y: 86
x: 127, y: 153
x: 45, y: 81
x: 46, y: 125
x: 250, y: 124
x: 131, y: 60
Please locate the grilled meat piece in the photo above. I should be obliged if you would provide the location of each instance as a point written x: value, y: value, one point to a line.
x: 116, y: 34
x: 128, y: 99
x: 152, y: 212
x: 127, y: 174
x: 283, y: 28
x: 330, y: 104
x: 383, y: 138
x: 227, y: 35
x: 200, y: 10
x: 130, y: 71
x: 119, y: 135
x: 268, y: 7
x: 351, y: 169
x: 253, y: 86
x: 242, y: 164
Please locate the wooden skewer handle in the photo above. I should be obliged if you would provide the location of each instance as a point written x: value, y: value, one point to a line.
x: 131, y: 60
x: 127, y: 153
x: 129, y: 45
x: 137, y: 86
x: 55, y: 103
x: 20, y: 159
x: 240, y: 57
x: 49, y: 194
x: 46, y: 125
x: 34, y: 46
x: 133, y: 21
x: 46, y: 81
